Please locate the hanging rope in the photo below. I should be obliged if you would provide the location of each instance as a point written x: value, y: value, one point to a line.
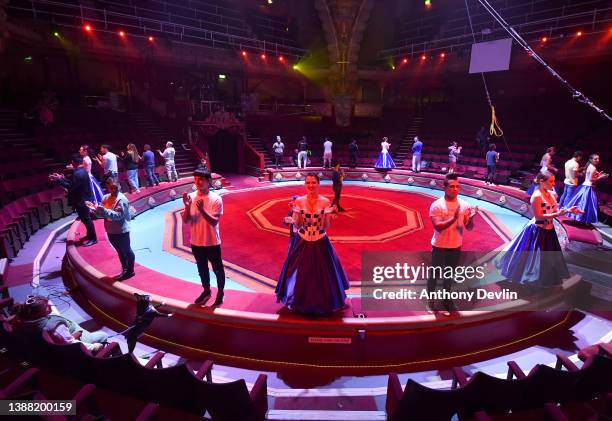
x: 494, y: 128
x: 576, y: 94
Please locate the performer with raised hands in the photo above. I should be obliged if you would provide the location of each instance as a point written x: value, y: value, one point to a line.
x: 203, y: 210
x: 585, y: 197
x: 534, y: 256
x: 312, y: 280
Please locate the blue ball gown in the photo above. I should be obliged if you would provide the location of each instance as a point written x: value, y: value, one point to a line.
x: 96, y: 190
x: 534, y: 256
x: 312, y: 280
x: 384, y: 160
x: 585, y: 199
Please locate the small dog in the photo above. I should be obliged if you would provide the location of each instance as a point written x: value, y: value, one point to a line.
x: 145, y: 314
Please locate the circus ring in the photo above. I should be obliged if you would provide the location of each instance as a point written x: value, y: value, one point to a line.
x: 252, y: 330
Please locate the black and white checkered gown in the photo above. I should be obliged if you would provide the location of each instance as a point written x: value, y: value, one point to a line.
x: 312, y: 228
x: 547, y: 208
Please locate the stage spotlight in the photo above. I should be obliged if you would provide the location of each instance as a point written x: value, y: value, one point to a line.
x: 579, y: 33
x: 442, y: 55
x: 281, y: 59
x: 56, y: 34
x: 151, y: 39
x: 87, y: 28
x: 428, y: 3
x: 121, y: 34
x: 392, y: 67
x: 244, y: 53
x: 296, y: 67
x: 405, y: 60
x: 263, y: 56
x: 423, y: 57
x: 544, y: 39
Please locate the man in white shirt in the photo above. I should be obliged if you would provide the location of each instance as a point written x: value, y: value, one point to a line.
x: 108, y: 161
x: 449, y: 216
x: 327, y: 153
x: 571, y: 177
x: 278, y: 148
x: 168, y: 155
x: 202, y: 212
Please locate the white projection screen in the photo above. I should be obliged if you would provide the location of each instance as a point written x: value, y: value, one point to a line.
x: 491, y: 56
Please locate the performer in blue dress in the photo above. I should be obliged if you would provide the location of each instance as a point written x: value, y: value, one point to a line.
x: 312, y: 280
x: 384, y: 157
x: 534, y: 256
x: 85, y: 151
x: 546, y: 165
x: 585, y: 197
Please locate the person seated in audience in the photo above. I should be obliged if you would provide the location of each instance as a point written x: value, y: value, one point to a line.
x: 36, y: 315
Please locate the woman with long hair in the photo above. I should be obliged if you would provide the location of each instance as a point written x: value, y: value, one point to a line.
x: 131, y: 160
x: 85, y: 151
x: 534, y: 256
x: 546, y: 166
x: 312, y: 280
x: 585, y: 197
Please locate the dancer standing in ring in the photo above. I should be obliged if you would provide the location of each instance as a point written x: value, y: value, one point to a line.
x: 312, y: 280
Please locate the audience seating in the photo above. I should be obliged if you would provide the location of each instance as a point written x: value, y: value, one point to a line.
x: 118, y: 372
x: 482, y: 396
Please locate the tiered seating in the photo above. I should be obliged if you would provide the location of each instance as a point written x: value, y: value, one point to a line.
x: 484, y: 397
x: 27, y: 197
x: 177, y: 390
x: 95, y: 127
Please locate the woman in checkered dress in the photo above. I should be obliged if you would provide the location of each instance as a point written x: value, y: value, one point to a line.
x: 312, y: 280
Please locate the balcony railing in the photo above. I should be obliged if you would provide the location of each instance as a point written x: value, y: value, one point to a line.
x: 595, y: 21
x: 137, y: 21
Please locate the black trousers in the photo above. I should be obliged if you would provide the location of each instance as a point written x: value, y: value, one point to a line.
x: 121, y: 243
x: 85, y: 217
x: 278, y: 159
x: 212, y: 254
x: 353, y: 159
x: 443, y: 258
x: 337, y: 191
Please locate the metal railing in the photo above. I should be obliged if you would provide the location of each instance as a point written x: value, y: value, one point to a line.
x: 103, y: 20
x: 596, y: 20
x: 286, y: 109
